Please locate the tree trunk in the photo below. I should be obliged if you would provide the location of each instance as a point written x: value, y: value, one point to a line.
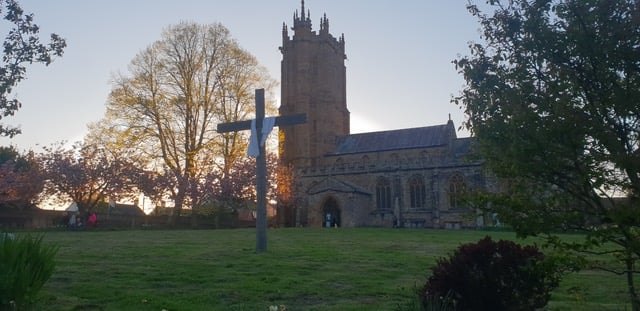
x: 635, y: 301
x: 177, y: 209
x: 194, y: 218
x: 180, y: 196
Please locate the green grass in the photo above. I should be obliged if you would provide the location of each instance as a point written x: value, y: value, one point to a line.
x: 304, y: 269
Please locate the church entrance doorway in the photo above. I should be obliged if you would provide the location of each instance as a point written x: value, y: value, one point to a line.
x: 330, y: 213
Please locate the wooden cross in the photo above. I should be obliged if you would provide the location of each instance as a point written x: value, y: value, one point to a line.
x: 261, y: 161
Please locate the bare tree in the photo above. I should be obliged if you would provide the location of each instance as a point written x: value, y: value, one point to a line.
x: 178, y: 89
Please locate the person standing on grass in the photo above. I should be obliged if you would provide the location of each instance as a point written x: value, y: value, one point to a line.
x: 93, y: 220
x: 72, y: 221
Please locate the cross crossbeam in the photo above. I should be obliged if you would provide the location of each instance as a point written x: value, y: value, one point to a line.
x: 246, y: 124
x: 261, y: 161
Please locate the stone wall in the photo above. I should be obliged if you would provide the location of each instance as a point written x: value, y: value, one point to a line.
x: 437, y: 167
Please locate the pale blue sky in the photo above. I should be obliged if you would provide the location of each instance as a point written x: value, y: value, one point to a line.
x: 399, y: 70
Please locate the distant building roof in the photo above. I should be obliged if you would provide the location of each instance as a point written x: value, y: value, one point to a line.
x: 126, y: 210
x: 419, y: 137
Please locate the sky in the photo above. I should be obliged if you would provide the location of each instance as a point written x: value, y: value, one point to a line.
x: 399, y: 56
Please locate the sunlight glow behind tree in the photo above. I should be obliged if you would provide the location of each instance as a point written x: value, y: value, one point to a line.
x: 164, y: 113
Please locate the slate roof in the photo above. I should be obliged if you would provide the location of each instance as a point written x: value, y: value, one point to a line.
x: 419, y: 137
x: 463, y: 145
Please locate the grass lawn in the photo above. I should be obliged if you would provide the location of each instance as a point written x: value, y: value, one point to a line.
x: 304, y: 269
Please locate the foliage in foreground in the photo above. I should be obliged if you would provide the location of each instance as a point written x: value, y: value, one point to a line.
x: 25, y: 265
x: 21, y: 46
x: 489, y: 275
x: 552, y: 95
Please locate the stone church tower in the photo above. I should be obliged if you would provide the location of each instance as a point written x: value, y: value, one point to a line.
x: 313, y: 81
x: 412, y: 177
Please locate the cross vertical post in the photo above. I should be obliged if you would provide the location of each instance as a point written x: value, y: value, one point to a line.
x: 261, y: 178
x: 261, y: 160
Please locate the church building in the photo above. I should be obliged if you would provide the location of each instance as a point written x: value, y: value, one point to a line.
x: 410, y: 177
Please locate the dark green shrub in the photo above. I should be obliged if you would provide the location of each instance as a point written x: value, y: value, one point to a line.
x: 489, y: 275
x: 25, y: 265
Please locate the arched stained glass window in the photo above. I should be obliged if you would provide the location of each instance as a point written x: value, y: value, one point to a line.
x: 383, y: 193
x: 417, y: 192
x: 456, y: 189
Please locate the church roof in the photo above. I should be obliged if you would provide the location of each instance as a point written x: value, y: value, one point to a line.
x: 462, y: 146
x: 418, y: 137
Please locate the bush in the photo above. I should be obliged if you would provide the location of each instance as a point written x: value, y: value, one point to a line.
x: 25, y: 265
x: 490, y: 275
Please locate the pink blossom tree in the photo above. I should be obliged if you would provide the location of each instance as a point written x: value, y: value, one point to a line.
x: 20, y: 179
x: 88, y: 175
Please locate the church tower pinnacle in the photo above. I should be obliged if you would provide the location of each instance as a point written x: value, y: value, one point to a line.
x: 313, y: 81
x: 302, y: 21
